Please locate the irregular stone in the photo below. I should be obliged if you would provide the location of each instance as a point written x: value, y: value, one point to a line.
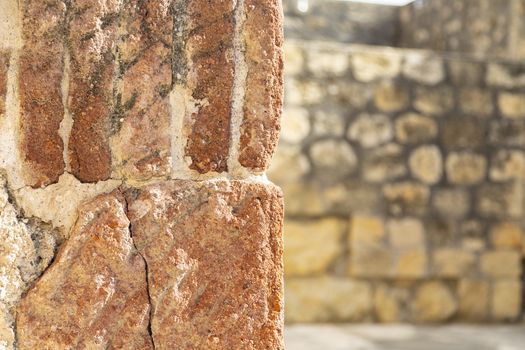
x: 503, y: 76
x: 476, y: 102
x: 328, y: 123
x: 463, y: 133
x: 434, y: 101
x: 333, y: 158
x: 288, y: 166
x: 389, y: 301
x: 426, y: 164
x: 507, y: 132
x: 295, y: 125
x: 369, y: 66
x: 506, y: 300
x: 222, y: 289
x: 369, y: 256
x: 325, y: 299
x: 303, y: 92
x: 472, y: 234
x: 499, y: 200
x: 473, y: 298
x: 451, y: 202
x: 331, y: 63
x: 312, y: 246
x: 452, y: 262
x: 355, y: 94
x: 383, y: 163
x: 512, y: 105
x: 26, y: 250
x: 434, y: 302
x: 465, y: 168
x: 263, y: 38
x: 90, y: 86
x: 506, y: 235
x: 423, y: 69
x: 293, y: 58
x: 507, y: 165
x: 406, y: 233
x: 391, y: 97
x: 466, y: 72
x: 501, y: 263
x: 410, y: 263
x: 57, y: 203
x: 441, y: 231
x: 406, y: 197
x: 4, y: 65
x: 371, y: 130
x: 96, y: 275
x: 205, y: 71
x: 140, y: 125
x: 412, y: 128
x: 40, y: 77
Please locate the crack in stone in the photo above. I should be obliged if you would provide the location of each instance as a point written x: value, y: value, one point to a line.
x: 147, y: 274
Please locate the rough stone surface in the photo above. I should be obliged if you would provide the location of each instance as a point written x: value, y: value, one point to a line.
x: 311, y: 247
x: 40, y: 88
x: 426, y: 164
x: 91, y: 69
x: 434, y: 302
x: 97, y: 275
x: 25, y: 252
x: 326, y: 299
x: 141, y: 120
x: 263, y: 100
x: 223, y: 287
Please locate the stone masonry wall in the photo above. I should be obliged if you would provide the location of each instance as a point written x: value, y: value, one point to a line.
x: 483, y: 27
x: 134, y: 208
x: 404, y: 178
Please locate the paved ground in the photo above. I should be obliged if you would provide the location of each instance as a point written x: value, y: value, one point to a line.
x: 404, y: 337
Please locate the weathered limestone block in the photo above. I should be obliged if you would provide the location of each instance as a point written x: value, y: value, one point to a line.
x: 92, y: 30
x: 40, y: 88
x: 214, y: 257
x: 141, y: 122
x: 95, y: 294
x: 264, y: 88
x: 25, y: 252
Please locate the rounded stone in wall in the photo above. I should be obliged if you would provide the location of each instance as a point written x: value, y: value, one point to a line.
x: 426, y: 164
x: 465, y: 168
x: 423, y: 68
x: 333, y: 158
x: 295, y: 124
x: 434, y: 302
x: 414, y: 128
x: 371, y: 130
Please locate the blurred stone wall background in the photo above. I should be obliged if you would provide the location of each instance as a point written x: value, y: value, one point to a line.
x: 404, y: 178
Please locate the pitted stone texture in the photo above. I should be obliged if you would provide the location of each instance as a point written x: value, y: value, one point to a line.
x: 39, y: 80
x: 141, y: 122
x: 94, y: 296
x: 92, y: 35
x: 264, y: 83
x: 210, y: 78
x: 214, y: 256
x: 4, y: 64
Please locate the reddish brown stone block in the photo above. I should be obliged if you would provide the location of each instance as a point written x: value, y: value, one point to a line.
x: 210, y: 76
x: 4, y: 65
x: 214, y: 256
x: 92, y: 35
x: 264, y: 83
x: 142, y: 122
x: 40, y: 77
x: 94, y: 296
